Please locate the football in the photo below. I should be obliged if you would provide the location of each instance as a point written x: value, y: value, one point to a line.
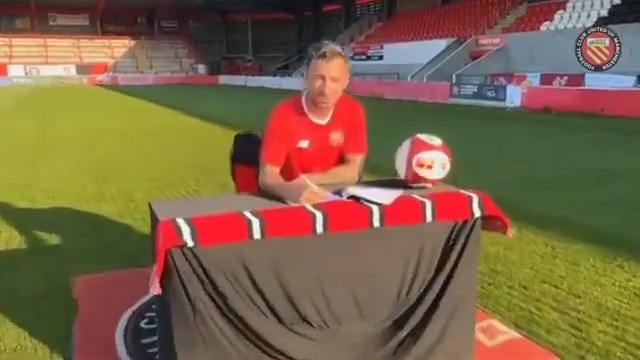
x: 423, y: 160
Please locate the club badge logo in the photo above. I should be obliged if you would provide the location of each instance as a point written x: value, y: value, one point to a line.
x: 336, y: 138
x: 598, y: 48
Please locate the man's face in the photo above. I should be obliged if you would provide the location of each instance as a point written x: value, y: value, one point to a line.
x: 326, y: 81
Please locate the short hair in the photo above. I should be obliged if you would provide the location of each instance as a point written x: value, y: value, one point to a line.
x: 325, y: 50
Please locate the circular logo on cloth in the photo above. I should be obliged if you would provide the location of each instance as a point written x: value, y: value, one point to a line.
x: 432, y: 165
x: 598, y: 48
x: 137, y: 331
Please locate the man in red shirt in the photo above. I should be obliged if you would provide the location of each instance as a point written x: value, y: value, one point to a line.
x: 315, y: 138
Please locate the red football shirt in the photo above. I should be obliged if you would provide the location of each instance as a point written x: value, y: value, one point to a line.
x: 298, y: 145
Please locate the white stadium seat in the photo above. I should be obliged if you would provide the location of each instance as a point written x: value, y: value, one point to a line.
x: 579, y: 14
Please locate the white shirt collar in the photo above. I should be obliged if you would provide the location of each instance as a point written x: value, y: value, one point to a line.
x: 314, y: 119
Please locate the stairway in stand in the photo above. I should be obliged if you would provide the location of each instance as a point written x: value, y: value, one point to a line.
x: 515, y: 13
x: 144, y: 64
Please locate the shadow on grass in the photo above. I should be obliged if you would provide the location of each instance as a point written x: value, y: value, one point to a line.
x: 61, y: 243
x: 237, y: 108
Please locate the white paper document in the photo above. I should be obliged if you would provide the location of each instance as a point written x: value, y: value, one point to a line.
x: 373, y: 194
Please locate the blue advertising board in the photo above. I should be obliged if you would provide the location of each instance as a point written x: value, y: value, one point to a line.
x: 479, y: 92
x: 5, y: 81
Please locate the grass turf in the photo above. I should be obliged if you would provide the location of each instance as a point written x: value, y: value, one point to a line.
x: 80, y: 164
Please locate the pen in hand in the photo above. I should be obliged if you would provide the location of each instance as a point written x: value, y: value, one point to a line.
x: 316, y: 187
x: 306, y: 179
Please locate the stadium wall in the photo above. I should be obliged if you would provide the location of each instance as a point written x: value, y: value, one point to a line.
x: 613, y: 102
x: 553, y: 51
x: 106, y: 80
x: 593, y: 100
x: 393, y: 90
x: 603, y: 101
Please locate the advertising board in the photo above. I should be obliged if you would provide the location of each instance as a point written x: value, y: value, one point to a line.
x: 471, y: 79
x: 528, y: 79
x: 366, y: 53
x: 561, y: 80
x: 485, y: 44
x: 413, y: 52
x: 479, y: 92
x: 55, y: 19
x: 30, y: 80
x: 600, y: 80
x: 169, y: 26
x: 41, y: 70
x: 489, y: 41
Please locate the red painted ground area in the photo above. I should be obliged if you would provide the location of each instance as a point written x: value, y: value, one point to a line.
x: 104, y: 300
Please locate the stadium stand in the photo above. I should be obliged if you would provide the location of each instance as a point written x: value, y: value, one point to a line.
x: 365, y: 15
x: 154, y: 56
x: 271, y: 40
x: 265, y: 42
x: 622, y: 12
x: 458, y: 20
x: 117, y: 54
x: 578, y: 14
x: 208, y: 35
x: 534, y: 16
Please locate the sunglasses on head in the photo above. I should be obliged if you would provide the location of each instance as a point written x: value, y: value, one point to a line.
x: 324, y: 48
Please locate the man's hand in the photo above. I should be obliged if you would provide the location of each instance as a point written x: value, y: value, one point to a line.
x: 305, y: 192
x: 300, y: 190
x: 312, y: 195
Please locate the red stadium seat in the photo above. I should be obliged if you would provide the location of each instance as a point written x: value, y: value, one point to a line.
x: 460, y: 20
x: 534, y: 17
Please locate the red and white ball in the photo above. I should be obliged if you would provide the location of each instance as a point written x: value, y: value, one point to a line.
x: 423, y: 160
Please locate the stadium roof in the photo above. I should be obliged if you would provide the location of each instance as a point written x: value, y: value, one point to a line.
x: 201, y: 5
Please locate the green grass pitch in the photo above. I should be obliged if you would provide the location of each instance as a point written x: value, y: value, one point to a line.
x: 78, y: 165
